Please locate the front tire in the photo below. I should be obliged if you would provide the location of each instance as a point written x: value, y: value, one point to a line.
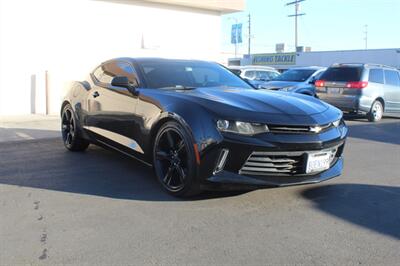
x: 376, y: 112
x: 174, y: 160
x: 69, y: 130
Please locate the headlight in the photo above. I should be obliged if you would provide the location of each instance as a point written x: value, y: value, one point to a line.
x: 243, y: 128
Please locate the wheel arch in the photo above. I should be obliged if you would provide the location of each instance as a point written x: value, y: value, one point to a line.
x: 382, y: 101
x: 199, y: 129
x: 170, y: 116
x: 64, y: 103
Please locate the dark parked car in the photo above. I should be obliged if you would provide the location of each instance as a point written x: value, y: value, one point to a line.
x: 370, y: 89
x: 298, y: 80
x: 202, y: 127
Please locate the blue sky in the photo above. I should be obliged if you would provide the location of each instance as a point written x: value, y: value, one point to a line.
x: 327, y: 25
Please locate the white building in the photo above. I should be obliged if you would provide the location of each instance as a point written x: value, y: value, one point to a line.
x: 67, y: 38
x: 282, y: 61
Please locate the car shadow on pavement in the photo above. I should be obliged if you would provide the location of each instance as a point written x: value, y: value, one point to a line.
x: 374, y: 207
x: 387, y: 132
x: 46, y: 164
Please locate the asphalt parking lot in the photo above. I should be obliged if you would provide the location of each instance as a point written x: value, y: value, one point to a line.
x: 99, y: 207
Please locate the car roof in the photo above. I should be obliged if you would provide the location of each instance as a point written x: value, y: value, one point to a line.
x: 153, y: 60
x: 361, y: 65
x: 252, y: 67
x: 309, y: 68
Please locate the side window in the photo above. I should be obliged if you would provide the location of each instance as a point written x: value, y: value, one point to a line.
x: 250, y: 74
x: 262, y: 75
x: 108, y: 73
x: 273, y: 75
x: 318, y: 75
x: 392, y: 78
x: 119, y: 68
x: 376, y: 75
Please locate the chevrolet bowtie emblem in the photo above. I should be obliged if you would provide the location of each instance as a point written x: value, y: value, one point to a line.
x: 316, y: 129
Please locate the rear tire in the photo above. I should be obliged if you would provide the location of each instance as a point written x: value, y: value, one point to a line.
x: 376, y: 112
x: 70, y: 131
x: 174, y: 161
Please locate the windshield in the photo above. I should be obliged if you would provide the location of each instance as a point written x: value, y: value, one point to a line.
x: 189, y: 74
x: 297, y: 75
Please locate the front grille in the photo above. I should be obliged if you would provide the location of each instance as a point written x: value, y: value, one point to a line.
x: 299, y: 129
x: 264, y: 163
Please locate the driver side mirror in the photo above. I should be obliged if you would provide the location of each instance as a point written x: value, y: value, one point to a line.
x: 122, y: 81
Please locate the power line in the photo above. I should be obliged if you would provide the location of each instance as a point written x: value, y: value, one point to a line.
x: 296, y: 15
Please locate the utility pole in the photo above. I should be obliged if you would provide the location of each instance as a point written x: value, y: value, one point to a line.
x: 296, y: 4
x: 248, y: 51
x: 366, y: 36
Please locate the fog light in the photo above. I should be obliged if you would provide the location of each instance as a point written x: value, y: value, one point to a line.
x: 221, y: 161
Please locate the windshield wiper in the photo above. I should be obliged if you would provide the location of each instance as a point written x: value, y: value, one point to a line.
x: 179, y: 87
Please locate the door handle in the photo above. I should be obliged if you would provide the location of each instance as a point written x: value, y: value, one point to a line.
x: 96, y: 94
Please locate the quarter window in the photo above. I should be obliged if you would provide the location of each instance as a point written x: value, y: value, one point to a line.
x: 376, y: 75
x: 98, y: 73
x: 392, y: 78
x: 113, y: 69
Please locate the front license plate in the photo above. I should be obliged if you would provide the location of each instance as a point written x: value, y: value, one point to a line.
x: 334, y: 90
x: 317, y: 162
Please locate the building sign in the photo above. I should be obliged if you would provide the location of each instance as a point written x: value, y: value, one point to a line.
x: 236, y: 33
x: 275, y: 59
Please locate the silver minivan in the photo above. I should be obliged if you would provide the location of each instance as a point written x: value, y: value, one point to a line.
x: 361, y: 88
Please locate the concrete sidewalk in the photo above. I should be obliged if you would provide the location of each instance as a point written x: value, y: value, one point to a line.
x: 29, y: 127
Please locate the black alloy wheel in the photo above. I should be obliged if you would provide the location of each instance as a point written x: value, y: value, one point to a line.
x: 174, y: 160
x: 70, y: 134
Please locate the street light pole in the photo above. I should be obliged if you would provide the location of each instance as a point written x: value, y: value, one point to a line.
x: 296, y: 3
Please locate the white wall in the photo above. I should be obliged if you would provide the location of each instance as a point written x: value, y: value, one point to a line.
x: 390, y: 57
x: 68, y: 38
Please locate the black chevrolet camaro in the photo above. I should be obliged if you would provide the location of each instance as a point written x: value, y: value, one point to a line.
x: 202, y: 127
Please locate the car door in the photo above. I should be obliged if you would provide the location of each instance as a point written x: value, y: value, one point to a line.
x: 392, y: 90
x: 112, y: 118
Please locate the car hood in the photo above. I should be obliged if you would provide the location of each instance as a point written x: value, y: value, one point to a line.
x: 280, y: 84
x: 259, y: 101
x: 253, y: 105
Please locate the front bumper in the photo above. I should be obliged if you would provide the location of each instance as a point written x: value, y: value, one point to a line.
x: 225, y: 178
x: 241, y: 148
x: 347, y: 103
